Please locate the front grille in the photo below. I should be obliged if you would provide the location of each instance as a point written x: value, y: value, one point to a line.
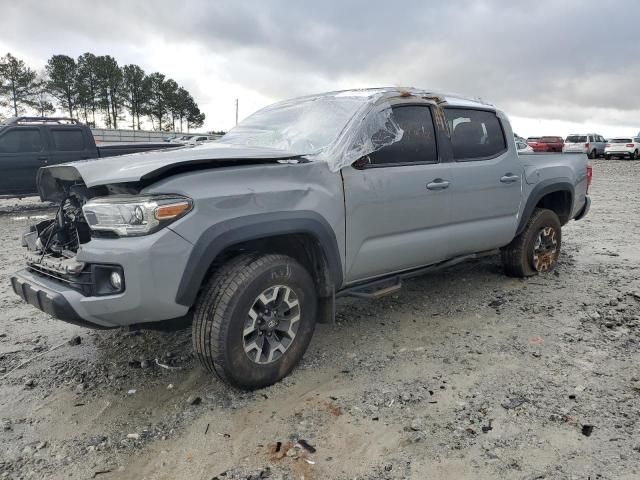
x: 82, y: 282
x: 88, y: 279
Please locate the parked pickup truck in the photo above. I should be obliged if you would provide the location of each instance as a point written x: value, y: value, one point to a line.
x: 547, y: 144
x: 254, y: 236
x: 28, y: 143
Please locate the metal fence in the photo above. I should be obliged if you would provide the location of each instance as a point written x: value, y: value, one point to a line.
x: 106, y: 135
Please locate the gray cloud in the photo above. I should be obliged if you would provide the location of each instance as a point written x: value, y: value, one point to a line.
x: 531, y: 58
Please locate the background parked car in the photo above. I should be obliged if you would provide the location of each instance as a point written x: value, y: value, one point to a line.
x: 590, y: 143
x: 523, y: 147
x: 547, y: 144
x: 622, y: 147
x: 181, y: 138
x: 198, y: 139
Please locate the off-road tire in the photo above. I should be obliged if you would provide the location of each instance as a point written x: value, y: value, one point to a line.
x: 222, y: 309
x: 517, y: 257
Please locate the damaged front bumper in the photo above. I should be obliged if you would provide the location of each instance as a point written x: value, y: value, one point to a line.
x: 74, y: 290
x: 48, y: 297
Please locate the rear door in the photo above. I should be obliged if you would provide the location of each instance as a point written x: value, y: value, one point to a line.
x: 68, y: 144
x: 396, y: 201
x: 23, y: 151
x: 601, y: 143
x: 486, y: 182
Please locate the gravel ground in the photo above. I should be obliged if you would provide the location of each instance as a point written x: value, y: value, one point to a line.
x: 464, y: 374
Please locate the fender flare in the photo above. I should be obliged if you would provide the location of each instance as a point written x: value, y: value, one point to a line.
x: 225, y: 234
x: 542, y: 189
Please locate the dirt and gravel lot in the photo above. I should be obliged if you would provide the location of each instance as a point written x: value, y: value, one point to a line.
x: 464, y: 374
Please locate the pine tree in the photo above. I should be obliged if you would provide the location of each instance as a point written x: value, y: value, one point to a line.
x: 18, y: 84
x: 157, y: 103
x: 87, y: 85
x: 62, y: 72
x: 109, y: 78
x: 135, y: 92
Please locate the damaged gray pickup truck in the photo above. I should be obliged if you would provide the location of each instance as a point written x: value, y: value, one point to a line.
x: 254, y: 236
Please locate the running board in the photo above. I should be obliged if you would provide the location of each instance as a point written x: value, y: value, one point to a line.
x: 373, y: 290
x: 392, y: 284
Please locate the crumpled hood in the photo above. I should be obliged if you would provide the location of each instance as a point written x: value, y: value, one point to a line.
x: 148, y: 165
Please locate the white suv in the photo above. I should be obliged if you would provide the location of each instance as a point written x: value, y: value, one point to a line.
x: 622, y: 147
x: 590, y: 143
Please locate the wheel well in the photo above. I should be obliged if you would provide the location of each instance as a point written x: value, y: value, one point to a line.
x: 304, y: 247
x: 560, y: 202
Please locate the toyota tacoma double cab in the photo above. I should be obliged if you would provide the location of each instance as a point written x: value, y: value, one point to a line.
x: 254, y: 236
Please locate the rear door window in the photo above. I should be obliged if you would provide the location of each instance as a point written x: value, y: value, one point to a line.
x: 418, y: 143
x: 23, y: 140
x: 68, y: 139
x: 475, y: 134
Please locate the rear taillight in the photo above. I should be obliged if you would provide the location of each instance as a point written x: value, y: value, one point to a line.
x: 630, y: 145
x: 589, y: 178
x: 586, y: 145
x: 607, y: 145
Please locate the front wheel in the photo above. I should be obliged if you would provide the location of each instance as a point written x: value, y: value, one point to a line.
x: 254, y: 320
x: 537, y: 248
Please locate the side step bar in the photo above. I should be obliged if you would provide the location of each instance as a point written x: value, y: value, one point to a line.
x: 392, y: 284
x: 373, y: 290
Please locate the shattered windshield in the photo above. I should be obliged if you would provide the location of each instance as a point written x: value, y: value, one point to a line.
x: 304, y: 126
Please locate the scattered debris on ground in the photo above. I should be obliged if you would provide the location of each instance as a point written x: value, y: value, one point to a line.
x: 465, y: 373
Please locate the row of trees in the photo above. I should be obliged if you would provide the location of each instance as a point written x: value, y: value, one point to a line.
x: 95, y: 87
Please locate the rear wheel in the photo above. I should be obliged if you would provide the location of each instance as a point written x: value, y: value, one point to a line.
x: 537, y: 248
x: 635, y: 155
x: 592, y: 154
x: 255, y: 319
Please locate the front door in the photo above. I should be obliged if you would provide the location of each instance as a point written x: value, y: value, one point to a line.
x: 396, y: 201
x: 22, y: 152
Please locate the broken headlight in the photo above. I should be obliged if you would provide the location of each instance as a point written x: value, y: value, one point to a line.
x: 128, y: 215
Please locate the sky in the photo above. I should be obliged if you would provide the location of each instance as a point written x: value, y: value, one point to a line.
x: 554, y: 67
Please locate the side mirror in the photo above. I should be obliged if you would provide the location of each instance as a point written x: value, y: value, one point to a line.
x: 362, y: 162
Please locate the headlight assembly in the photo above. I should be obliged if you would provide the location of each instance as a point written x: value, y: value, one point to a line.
x: 130, y: 215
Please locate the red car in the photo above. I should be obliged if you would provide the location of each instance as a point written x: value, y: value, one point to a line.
x: 546, y: 144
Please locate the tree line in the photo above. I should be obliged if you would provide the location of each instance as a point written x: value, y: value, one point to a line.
x: 94, y: 87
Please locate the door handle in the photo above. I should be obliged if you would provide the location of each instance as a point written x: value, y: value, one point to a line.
x: 509, y: 178
x: 438, y: 184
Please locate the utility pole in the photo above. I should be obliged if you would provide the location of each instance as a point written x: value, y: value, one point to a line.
x: 236, y: 111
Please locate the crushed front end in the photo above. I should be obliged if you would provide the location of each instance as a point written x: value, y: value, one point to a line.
x: 81, y: 274
x: 52, y: 247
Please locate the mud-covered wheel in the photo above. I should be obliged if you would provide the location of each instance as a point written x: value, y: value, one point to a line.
x: 254, y: 319
x: 537, y: 248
